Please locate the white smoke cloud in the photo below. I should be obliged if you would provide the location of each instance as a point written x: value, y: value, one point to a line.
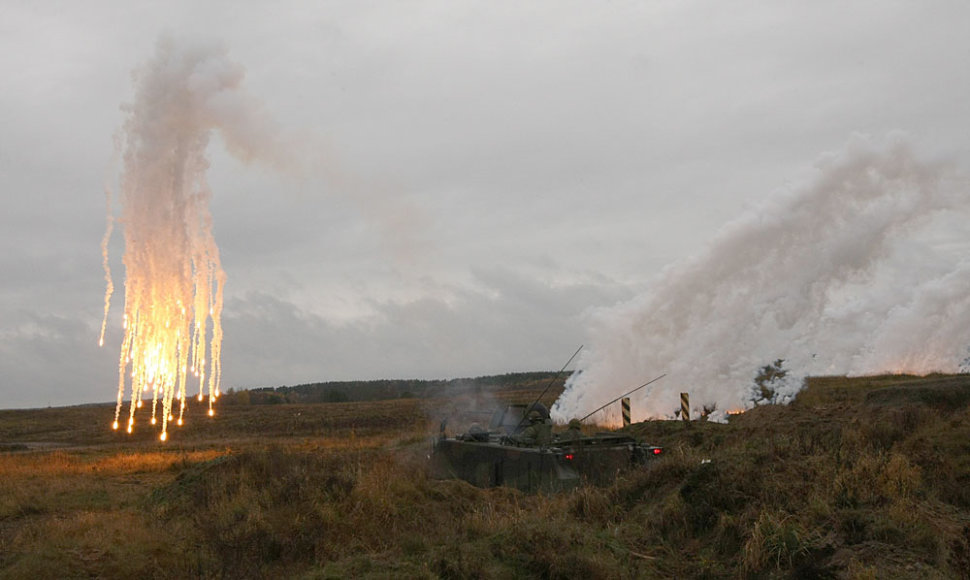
x: 862, y: 271
x: 194, y: 87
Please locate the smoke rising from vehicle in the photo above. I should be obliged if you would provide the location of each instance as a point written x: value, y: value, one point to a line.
x: 864, y: 270
x: 173, y: 277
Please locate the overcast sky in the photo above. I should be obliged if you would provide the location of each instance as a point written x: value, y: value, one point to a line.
x: 481, y: 174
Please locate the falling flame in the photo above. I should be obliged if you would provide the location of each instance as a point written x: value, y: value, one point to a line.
x: 174, y: 280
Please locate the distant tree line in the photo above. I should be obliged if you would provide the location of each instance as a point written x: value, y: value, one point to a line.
x: 378, y: 390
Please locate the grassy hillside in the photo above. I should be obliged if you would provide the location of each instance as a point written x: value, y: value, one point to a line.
x: 864, y: 478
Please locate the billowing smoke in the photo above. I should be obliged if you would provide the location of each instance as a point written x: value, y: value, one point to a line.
x: 174, y: 281
x: 865, y: 270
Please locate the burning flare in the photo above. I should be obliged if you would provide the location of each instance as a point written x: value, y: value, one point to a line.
x: 174, y: 281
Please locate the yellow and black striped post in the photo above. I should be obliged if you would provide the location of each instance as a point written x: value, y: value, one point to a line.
x: 625, y: 405
x: 685, y: 406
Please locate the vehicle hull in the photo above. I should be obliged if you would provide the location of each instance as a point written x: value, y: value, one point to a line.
x: 491, y: 463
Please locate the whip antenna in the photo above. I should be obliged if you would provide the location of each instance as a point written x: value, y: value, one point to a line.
x: 526, y: 413
x: 624, y: 395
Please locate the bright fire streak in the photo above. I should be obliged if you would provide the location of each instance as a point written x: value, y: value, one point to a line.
x: 173, y: 277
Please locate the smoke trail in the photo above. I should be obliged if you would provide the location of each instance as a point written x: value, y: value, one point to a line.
x: 109, y: 283
x: 174, y: 280
x: 862, y: 271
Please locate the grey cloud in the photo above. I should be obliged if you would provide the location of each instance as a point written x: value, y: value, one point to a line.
x: 508, y: 323
x: 54, y: 360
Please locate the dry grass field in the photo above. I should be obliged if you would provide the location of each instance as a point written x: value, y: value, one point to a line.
x: 863, y: 478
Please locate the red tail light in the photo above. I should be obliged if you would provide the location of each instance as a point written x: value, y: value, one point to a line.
x: 657, y: 451
x: 568, y: 456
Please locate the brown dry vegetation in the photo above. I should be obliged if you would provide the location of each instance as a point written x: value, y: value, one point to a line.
x: 865, y: 478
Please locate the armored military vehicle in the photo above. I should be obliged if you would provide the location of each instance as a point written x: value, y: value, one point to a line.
x: 518, y: 449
